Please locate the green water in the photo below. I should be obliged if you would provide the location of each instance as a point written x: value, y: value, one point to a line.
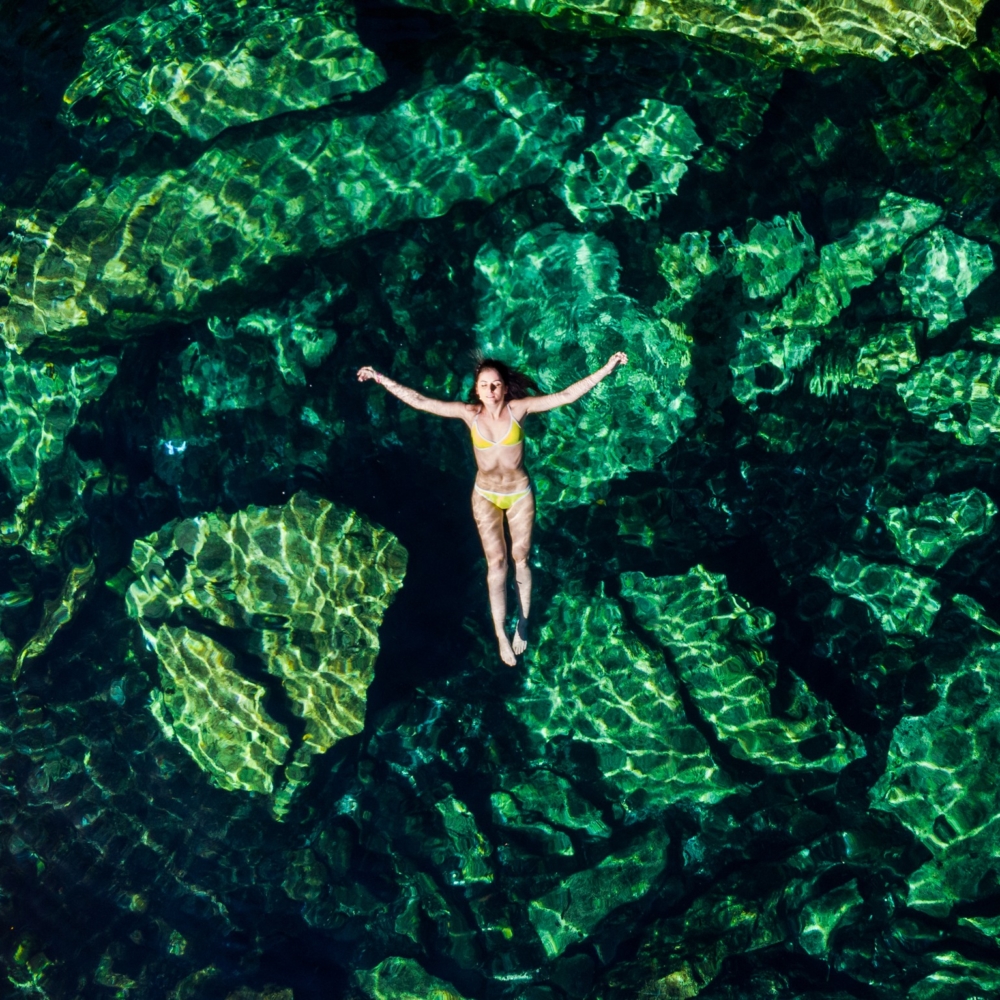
x: 256, y: 742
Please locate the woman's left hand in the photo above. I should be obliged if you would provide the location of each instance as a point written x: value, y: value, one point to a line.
x: 620, y: 358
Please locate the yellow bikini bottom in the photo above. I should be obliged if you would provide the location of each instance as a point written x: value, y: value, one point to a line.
x: 502, y: 500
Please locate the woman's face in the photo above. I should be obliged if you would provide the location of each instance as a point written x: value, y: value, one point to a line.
x: 490, y: 387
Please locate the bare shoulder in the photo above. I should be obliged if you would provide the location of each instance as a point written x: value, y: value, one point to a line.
x: 520, y: 408
x: 470, y: 411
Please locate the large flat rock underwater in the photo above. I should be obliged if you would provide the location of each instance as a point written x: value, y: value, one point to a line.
x: 256, y: 742
x: 310, y: 583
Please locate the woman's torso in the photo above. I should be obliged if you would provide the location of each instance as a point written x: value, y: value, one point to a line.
x: 499, y: 449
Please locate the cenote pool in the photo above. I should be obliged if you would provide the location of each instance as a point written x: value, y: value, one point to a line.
x: 256, y: 741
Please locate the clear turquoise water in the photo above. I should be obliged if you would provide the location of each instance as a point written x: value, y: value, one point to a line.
x: 751, y: 750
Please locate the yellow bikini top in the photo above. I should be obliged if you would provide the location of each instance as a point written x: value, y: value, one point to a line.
x: 513, y: 436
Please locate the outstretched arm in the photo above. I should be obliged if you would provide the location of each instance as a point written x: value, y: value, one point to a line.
x: 439, y: 407
x: 539, y: 404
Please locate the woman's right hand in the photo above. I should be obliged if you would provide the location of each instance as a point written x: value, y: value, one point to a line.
x: 364, y: 374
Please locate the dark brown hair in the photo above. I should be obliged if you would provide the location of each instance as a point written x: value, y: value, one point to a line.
x: 517, y: 384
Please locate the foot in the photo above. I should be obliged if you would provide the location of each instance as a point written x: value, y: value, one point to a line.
x: 520, y: 643
x: 507, y: 652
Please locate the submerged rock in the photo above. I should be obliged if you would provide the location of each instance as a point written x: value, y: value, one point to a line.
x: 570, y: 913
x: 552, y: 306
x: 929, y: 533
x: 773, y: 254
x: 471, y: 849
x: 766, y: 362
x: 717, y: 642
x: 544, y: 806
x: 959, y: 392
x: 300, y: 336
x: 40, y: 405
x: 592, y: 682
x: 786, y: 29
x: 853, y: 262
x: 41, y: 401
x: 685, y: 265
x: 737, y: 915
x: 636, y: 164
x: 61, y: 610
x: 901, y: 601
x: 202, y: 68
x: 939, y: 271
x: 971, y: 607
x: 939, y: 122
x: 819, y: 918
x: 404, y: 979
x: 145, y: 248
x: 262, y: 358
x: 300, y: 588
x: 940, y: 783
x: 860, y: 360
x: 214, y: 712
x: 774, y: 344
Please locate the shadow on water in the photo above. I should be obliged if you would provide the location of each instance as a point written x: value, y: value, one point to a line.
x: 751, y: 573
x: 425, y: 635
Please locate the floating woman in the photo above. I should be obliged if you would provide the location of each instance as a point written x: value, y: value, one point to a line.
x: 498, y: 404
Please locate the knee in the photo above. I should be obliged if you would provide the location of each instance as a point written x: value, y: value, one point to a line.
x: 496, y: 567
x: 520, y: 561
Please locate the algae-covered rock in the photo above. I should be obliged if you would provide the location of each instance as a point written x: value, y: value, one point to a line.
x: 41, y: 401
x: 819, y: 918
x: 554, y: 799
x: 766, y: 362
x: 570, y: 913
x: 973, y: 609
x: 214, y: 712
x: 685, y: 265
x: 738, y: 914
x: 637, y: 164
x: 773, y: 254
x: 959, y: 391
x: 404, y: 979
x: 863, y: 361
x: 299, y: 333
x: 425, y: 906
x: 61, y: 610
x: 853, y: 262
x: 929, y: 533
x: 718, y: 643
x: 552, y: 306
x: 147, y: 247
x: 939, y: 271
x: 542, y: 836
x: 959, y: 978
x: 987, y: 332
x: 774, y: 344
x: 254, y: 362
x: 544, y: 806
x: 785, y: 29
x: 201, y: 68
x: 306, y: 584
x: 940, y: 782
x: 470, y: 846
x: 591, y: 680
x: 938, y: 123
x: 901, y: 601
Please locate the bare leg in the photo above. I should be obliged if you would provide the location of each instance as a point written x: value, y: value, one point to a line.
x: 520, y: 521
x: 489, y: 521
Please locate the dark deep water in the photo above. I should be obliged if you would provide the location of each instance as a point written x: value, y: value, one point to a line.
x: 751, y: 751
